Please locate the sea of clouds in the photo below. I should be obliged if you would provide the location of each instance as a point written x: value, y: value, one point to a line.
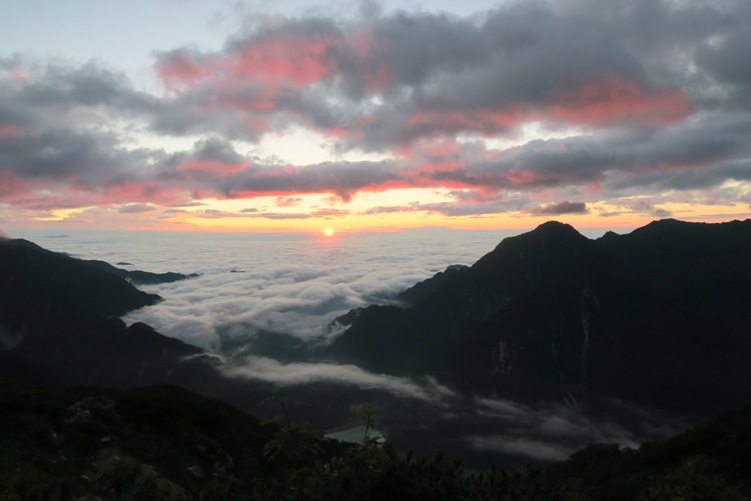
x: 294, y: 285
x: 284, y: 283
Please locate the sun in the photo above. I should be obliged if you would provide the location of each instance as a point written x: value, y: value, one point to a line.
x: 328, y: 232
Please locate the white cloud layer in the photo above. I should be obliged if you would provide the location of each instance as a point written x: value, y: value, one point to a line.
x: 279, y: 283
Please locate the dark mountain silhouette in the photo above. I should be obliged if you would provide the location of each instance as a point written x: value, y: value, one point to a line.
x: 656, y: 316
x: 59, y: 316
x: 60, y: 327
x: 29, y: 270
x: 704, y: 267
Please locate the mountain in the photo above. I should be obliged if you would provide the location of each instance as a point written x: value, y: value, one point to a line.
x: 445, y: 309
x: 705, y: 267
x: 656, y: 316
x: 710, y: 461
x: 60, y: 327
x: 547, y: 315
x: 139, y: 276
x: 59, y: 320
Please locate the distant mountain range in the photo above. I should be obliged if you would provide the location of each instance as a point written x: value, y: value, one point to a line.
x: 659, y: 316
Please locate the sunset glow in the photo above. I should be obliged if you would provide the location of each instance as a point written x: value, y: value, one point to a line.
x: 294, y: 122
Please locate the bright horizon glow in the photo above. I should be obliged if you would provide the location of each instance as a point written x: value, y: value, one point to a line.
x: 242, y: 117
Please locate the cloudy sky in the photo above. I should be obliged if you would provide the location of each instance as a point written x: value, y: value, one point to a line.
x: 291, y: 115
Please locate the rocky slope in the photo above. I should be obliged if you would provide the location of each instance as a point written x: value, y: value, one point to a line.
x: 659, y: 316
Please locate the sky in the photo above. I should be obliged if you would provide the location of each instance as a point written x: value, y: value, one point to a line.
x: 302, y: 116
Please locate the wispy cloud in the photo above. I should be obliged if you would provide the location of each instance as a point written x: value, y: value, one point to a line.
x: 556, y: 209
x: 551, y: 432
x: 299, y: 373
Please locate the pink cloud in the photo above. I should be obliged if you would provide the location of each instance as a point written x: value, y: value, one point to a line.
x: 41, y: 194
x: 7, y: 130
x: 12, y: 186
x: 295, y: 60
x: 180, y: 68
x: 613, y: 100
x: 273, y: 60
x: 607, y: 101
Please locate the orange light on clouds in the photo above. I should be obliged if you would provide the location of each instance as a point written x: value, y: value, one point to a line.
x: 399, y: 210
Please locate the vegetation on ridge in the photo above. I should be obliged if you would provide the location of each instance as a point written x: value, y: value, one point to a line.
x: 164, y: 443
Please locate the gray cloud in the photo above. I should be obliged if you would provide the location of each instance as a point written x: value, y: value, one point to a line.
x: 555, y: 209
x: 515, y: 57
x: 660, y: 91
x: 56, y: 89
x: 342, y: 178
x: 136, y: 208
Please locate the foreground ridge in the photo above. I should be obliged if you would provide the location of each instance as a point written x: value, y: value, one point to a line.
x: 166, y: 443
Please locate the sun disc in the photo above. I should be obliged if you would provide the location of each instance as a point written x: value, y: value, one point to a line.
x: 328, y: 232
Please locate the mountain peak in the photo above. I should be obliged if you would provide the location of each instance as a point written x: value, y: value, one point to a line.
x: 555, y: 227
x: 668, y: 223
x: 553, y: 224
x: 548, y: 240
x: 554, y: 230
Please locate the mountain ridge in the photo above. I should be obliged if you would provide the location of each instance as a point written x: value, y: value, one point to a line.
x: 59, y: 320
x: 547, y: 317
x: 553, y: 314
